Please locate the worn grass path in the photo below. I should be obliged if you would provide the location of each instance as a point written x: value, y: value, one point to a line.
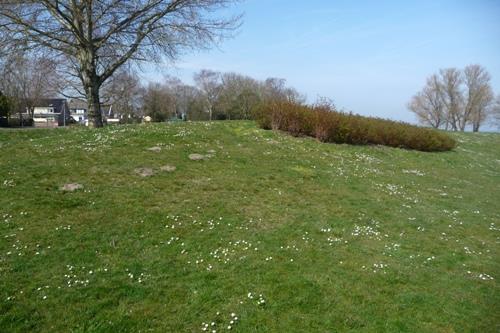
x: 269, y: 232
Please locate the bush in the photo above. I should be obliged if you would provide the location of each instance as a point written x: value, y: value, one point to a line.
x: 329, y: 125
x: 5, y: 106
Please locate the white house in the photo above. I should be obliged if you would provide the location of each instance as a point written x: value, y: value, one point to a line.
x: 50, y: 112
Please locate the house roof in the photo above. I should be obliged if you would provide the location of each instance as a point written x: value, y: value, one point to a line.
x: 57, y: 103
x: 82, y: 104
x: 50, y: 102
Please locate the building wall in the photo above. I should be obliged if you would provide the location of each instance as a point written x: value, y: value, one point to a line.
x: 38, y: 110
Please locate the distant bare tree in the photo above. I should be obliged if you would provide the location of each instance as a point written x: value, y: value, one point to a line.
x: 209, y: 83
x: 188, y: 101
x: 191, y: 102
x: 158, y: 102
x: 428, y: 104
x: 95, y: 38
x: 454, y: 99
x: 247, y: 100
x: 28, y: 80
x: 216, y: 96
x: 451, y: 94
x: 495, y: 111
x: 122, y: 91
x: 479, y: 96
x: 240, y: 95
x: 276, y: 89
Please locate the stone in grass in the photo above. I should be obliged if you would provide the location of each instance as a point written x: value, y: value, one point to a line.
x: 168, y: 168
x: 71, y: 187
x: 155, y: 149
x: 196, y: 157
x: 144, y: 172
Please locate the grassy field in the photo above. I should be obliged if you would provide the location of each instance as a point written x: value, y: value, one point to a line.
x: 268, y: 233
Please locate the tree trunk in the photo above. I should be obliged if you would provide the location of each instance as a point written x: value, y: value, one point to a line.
x: 475, y: 127
x: 91, y: 84
x: 454, y: 123
x: 94, y: 107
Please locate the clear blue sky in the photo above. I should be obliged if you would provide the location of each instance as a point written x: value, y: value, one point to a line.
x: 368, y: 56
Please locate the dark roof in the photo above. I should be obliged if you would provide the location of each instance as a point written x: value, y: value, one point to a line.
x: 56, y: 103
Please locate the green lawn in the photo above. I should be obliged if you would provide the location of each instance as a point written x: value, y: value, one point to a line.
x: 285, y: 234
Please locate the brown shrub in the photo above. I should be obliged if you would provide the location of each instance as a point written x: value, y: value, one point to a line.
x: 328, y: 125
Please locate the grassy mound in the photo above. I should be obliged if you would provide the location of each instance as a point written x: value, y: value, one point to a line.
x: 288, y: 234
x: 331, y: 126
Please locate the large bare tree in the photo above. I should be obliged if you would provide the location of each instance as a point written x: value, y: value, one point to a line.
x: 96, y: 37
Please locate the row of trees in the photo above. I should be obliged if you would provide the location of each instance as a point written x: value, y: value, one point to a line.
x: 27, y: 80
x: 453, y: 99
x: 214, y: 95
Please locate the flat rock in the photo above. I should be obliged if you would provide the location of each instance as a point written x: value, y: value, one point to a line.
x: 71, y: 187
x: 168, y: 168
x: 155, y: 149
x: 144, y: 172
x: 196, y: 157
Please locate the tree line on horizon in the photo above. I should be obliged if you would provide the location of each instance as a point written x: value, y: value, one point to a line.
x: 451, y: 99
x: 214, y: 96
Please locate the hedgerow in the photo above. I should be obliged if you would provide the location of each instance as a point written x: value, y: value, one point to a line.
x: 328, y: 125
